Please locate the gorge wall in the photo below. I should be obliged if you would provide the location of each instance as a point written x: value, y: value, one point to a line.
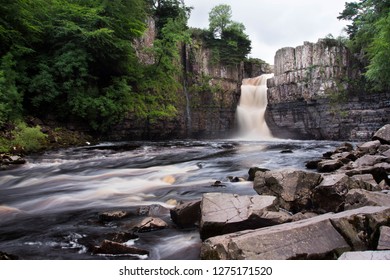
x: 310, y: 96
x: 206, y: 102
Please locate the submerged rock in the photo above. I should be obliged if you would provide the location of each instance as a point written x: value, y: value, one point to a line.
x: 6, y: 256
x: 114, y: 248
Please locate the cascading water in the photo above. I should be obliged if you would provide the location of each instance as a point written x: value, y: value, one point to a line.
x: 251, y: 109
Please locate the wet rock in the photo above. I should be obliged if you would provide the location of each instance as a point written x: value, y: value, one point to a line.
x: 109, y: 216
x: 121, y: 237
x: 329, y: 165
x: 150, y: 224
x: 218, y: 184
x: 359, y: 198
x: 292, y: 187
x: 384, y: 238
x: 324, y: 236
x: 345, y: 147
x: 224, y: 213
x: 366, y: 255
x: 383, y: 134
x: 287, y: 151
x: 252, y: 172
x: 186, y: 214
x: 115, y: 248
x: 153, y: 210
x: 236, y: 179
x: 5, y: 256
x: 312, y: 164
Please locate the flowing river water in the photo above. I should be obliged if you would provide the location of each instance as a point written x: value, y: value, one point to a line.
x: 49, y: 207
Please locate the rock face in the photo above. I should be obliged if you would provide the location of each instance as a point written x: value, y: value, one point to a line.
x: 308, y: 96
x: 206, y: 102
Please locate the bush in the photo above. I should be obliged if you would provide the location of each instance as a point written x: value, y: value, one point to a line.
x: 28, y: 139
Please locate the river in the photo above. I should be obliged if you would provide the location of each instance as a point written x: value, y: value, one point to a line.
x: 49, y: 207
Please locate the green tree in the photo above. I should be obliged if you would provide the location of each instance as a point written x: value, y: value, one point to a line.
x: 220, y: 17
x: 369, y: 38
x: 228, y: 40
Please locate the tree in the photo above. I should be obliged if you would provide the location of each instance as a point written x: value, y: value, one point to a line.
x: 220, y: 17
x: 370, y: 38
x: 228, y: 40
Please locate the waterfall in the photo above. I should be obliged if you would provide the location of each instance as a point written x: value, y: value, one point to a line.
x: 251, y: 109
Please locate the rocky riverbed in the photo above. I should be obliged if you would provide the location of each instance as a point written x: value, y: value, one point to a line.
x: 343, y: 207
x: 81, y: 204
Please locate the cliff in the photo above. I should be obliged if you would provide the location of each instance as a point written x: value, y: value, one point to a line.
x: 310, y: 96
x: 207, y: 101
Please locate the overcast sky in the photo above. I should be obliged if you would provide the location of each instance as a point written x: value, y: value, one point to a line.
x: 274, y: 24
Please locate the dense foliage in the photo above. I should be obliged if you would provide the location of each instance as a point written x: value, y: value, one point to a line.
x: 226, y: 37
x: 369, y: 34
x: 76, y: 60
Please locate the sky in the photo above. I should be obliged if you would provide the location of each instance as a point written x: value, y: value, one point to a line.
x: 274, y: 24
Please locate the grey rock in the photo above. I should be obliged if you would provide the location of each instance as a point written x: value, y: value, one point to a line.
x: 324, y: 236
x: 252, y: 172
x: 223, y: 213
x: 369, y: 147
x: 291, y: 187
x: 383, y: 134
x: 359, y: 198
x: 329, y: 165
x: 186, y: 214
x: 384, y: 238
x: 150, y: 224
x: 329, y: 195
x: 307, y: 239
x: 366, y: 255
x: 113, y: 215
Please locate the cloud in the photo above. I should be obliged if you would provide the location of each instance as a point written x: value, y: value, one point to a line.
x: 274, y: 24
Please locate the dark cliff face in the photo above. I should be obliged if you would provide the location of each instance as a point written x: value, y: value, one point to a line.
x: 310, y: 96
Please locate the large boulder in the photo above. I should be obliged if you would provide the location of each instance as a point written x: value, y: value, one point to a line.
x: 186, y: 214
x: 223, y: 213
x: 324, y: 236
x: 291, y: 187
x: 329, y: 195
x: 307, y: 239
x: 383, y: 134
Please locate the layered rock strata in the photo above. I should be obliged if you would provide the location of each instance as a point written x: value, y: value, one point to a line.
x: 310, y: 96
